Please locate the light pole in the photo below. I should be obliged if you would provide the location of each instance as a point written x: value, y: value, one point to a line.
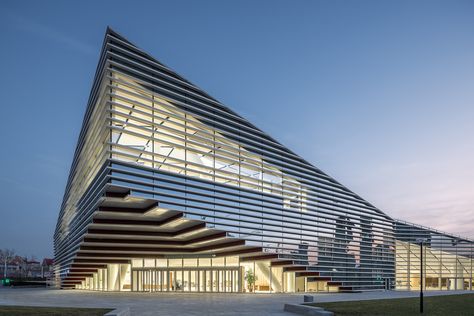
x: 4, y: 257
x: 421, y: 241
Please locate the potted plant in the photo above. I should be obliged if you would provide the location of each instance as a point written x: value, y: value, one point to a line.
x: 250, y: 277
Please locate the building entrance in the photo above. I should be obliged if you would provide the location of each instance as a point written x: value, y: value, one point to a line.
x: 187, y: 280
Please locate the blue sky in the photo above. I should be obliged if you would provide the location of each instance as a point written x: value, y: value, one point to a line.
x: 378, y: 94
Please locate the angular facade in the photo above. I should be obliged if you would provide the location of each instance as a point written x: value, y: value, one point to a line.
x: 170, y: 190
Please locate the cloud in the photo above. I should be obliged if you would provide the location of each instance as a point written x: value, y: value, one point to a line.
x: 438, y: 195
x: 41, y: 30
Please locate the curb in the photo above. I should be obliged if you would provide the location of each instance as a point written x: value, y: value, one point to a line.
x: 306, y: 310
x: 119, y: 312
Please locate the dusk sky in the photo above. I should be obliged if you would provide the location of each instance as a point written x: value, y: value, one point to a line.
x: 378, y: 94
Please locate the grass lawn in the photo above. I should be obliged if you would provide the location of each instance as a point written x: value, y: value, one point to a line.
x: 51, y: 311
x: 458, y: 305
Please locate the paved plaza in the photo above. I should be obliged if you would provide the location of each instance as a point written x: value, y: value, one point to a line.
x: 167, y: 304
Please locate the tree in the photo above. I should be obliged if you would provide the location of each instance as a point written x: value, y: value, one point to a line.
x: 5, y: 256
x: 250, y: 277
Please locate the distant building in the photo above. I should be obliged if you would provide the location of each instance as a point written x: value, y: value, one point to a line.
x: 21, y: 267
x: 47, y: 267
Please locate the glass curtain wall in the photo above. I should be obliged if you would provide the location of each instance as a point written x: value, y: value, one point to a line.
x: 447, y: 260
x: 187, y: 275
x: 224, y: 275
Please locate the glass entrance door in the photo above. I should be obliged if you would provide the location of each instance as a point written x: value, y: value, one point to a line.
x: 222, y: 280
x: 202, y: 281
x: 193, y: 281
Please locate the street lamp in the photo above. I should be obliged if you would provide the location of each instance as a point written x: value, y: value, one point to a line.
x: 421, y: 241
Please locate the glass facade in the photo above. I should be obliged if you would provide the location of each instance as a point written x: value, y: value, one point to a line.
x: 224, y: 274
x: 170, y: 190
x: 448, y: 260
x: 171, y: 275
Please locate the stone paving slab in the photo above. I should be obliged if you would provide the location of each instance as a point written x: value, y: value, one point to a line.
x: 170, y: 304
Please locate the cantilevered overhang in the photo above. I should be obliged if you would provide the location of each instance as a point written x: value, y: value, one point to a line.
x: 125, y: 226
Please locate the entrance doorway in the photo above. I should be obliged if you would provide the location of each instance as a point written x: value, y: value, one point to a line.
x: 225, y: 280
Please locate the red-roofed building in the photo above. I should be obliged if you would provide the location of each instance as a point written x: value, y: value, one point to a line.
x: 22, y: 267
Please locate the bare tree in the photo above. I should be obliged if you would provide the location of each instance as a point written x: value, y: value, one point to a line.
x: 5, y: 256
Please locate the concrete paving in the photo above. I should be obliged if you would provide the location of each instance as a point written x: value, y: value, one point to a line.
x: 168, y: 304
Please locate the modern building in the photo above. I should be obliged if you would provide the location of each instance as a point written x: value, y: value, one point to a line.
x: 170, y: 190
